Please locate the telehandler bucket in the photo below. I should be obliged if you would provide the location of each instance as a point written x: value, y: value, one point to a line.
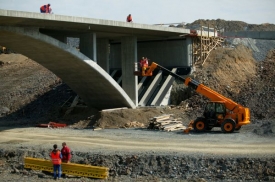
x: 190, y: 127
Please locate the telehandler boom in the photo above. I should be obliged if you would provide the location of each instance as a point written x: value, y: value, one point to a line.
x: 219, y: 112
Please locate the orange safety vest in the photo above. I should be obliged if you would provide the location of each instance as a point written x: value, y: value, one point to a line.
x: 56, y: 158
x: 129, y: 18
x: 43, y: 8
x: 144, y: 63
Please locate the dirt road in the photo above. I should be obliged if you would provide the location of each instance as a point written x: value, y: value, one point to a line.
x: 134, y: 141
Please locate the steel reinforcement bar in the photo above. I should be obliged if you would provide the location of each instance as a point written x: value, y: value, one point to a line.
x: 67, y: 168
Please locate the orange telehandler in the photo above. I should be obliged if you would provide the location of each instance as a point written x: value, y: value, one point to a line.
x: 219, y: 112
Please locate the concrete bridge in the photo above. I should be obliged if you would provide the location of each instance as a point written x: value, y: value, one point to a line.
x: 104, y: 45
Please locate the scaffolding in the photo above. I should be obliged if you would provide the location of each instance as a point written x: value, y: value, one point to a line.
x: 203, y: 42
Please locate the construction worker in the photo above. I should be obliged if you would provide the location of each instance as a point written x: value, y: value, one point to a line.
x: 129, y: 18
x: 50, y: 10
x: 45, y: 8
x: 66, y: 153
x: 143, y: 65
x: 56, y: 157
x: 141, y: 61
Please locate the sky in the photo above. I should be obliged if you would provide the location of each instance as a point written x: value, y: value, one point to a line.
x: 155, y: 11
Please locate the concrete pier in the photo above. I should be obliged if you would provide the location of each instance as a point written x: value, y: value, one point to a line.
x: 128, y: 62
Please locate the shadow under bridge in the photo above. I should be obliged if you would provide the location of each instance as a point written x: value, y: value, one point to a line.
x: 95, y: 86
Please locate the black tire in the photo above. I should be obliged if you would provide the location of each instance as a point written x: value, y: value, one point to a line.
x: 200, y: 125
x: 209, y: 128
x: 228, y: 126
x: 238, y: 128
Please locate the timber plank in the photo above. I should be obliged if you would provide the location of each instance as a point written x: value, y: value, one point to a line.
x: 177, y: 128
x: 172, y: 126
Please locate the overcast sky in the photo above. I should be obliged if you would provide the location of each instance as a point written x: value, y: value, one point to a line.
x: 155, y: 11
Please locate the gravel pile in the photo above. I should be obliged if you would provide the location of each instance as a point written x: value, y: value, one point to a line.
x: 260, y: 48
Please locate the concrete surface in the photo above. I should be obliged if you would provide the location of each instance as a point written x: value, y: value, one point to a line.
x: 163, y: 91
x: 151, y: 89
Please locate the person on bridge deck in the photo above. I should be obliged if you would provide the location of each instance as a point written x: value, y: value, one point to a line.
x: 143, y: 65
x: 56, y: 157
x: 45, y: 8
x: 129, y: 18
x: 66, y: 153
x: 50, y: 10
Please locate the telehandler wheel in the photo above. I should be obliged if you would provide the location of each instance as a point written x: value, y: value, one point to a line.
x: 228, y: 126
x: 199, y: 125
x: 238, y: 128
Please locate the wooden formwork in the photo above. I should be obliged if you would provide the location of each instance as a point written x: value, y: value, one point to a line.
x: 202, y: 45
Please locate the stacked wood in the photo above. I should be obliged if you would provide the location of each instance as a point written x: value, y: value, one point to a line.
x: 166, y: 123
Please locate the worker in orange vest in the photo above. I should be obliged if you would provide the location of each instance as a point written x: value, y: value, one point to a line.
x: 45, y: 8
x: 129, y: 18
x: 56, y: 157
x: 143, y: 65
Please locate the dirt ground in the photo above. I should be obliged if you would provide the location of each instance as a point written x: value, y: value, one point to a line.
x: 30, y: 95
x: 144, y: 155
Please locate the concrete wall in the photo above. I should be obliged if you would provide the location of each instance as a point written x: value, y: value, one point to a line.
x: 166, y: 53
x: 129, y: 59
x: 103, y: 54
x: 87, y: 45
x: 115, y: 56
x: 188, y: 52
x: 170, y: 53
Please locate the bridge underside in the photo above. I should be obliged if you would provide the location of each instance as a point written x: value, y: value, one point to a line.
x: 95, y: 86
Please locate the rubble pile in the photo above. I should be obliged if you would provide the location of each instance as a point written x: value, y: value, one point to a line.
x: 259, y: 94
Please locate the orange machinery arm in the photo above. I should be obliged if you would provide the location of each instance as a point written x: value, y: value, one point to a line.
x: 210, y: 94
x: 241, y: 112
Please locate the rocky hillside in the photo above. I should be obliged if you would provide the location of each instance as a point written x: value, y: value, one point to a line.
x: 230, y: 26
